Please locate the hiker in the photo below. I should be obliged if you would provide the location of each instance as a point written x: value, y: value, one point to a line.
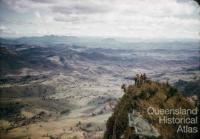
x: 140, y: 79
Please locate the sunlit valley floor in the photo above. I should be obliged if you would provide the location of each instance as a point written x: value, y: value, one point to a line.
x: 65, y: 91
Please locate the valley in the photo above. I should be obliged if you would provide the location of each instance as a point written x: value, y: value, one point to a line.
x: 69, y: 91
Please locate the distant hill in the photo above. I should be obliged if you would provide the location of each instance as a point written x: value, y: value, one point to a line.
x: 140, y: 98
x: 189, y: 88
x: 48, y: 39
x: 54, y: 39
x: 97, y: 41
x: 14, y: 57
x: 9, y: 60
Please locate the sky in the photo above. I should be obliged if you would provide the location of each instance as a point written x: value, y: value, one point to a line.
x: 138, y: 19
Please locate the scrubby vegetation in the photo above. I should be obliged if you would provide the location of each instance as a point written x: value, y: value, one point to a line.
x: 9, y: 110
x: 141, y: 96
x: 30, y: 90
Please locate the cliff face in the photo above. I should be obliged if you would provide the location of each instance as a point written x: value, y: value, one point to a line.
x: 143, y: 99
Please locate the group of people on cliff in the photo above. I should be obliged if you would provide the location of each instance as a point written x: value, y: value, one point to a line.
x: 140, y: 79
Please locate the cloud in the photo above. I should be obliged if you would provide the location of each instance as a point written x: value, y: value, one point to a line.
x: 5, y: 31
x: 43, y: 1
x: 81, y: 8
x: 22, y: 6
x: 127, y: 18
x: 37, y: 14
x: 70, y: 19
